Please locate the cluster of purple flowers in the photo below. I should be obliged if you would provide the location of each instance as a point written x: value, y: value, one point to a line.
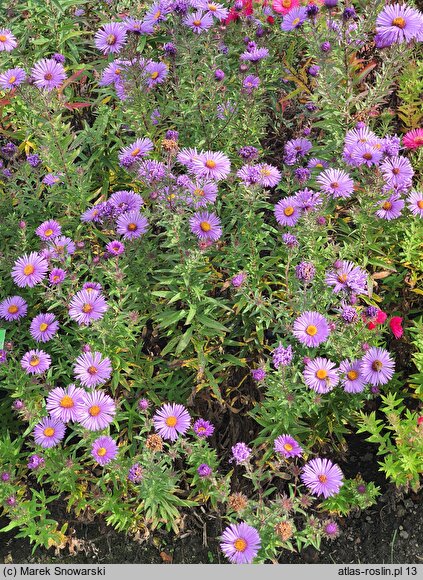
x: 289, y: 209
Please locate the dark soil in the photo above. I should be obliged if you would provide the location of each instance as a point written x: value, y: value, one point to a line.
x: 388, y: 533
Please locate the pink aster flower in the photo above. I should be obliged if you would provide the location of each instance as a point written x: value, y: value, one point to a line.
x: 35, y: 362
x: 44, y: 327
x: 110, y: 38
x: 12, y: 78
x: 286, y: 211
x: 29, y: 270
x: 240, y: 543
x: 115, y: 248
x: 171, y: 420
x: 415, y: 203
x: 91, y: 369
x: 96, y: 411
x: 48, y: 74
x: 63, y: 403
x: 311, y: 329
x: 7, y: 40
x: 131, y: 225
x: 322, y: 477
x: 336, y: 183
x: 13, y: 308
x: 104, y: 450
x: 377, y: 366
x: 287, y: 446
x: 320, y: 375
x: 413, y: 139
x: 48, y: 230
x: 206, y: 226
x: 284, y: 6
x: 87, y: 306
x: 211, y: 165
x: 49, y: 432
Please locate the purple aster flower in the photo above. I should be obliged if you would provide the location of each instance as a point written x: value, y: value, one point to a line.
x: 415, y: 203
x: 199, y: 22
x: 171, y: 420
x: 248, y: 153
x: 249, y: 175
x: 311, y: 329
x: 351, y: 376
x: 391, y: 208
x: 240, y: 543
x: 170, y: 48
x: 95, y: 411
x: 11, y: 78
x: 104, y: 450
x: 282, y: 356
x: 202, y: 192
x: 5, y: 476
x: 13, y: 308
x: 29, y: 270
x: 35, y: 362
x: 238, y: 280
x: 155, y: 72
x: 258, y: 374
x: 287, y: 446
x: 186, y: 157
x: 56, y: 276
x: 287, y: 212
x: 136, y: 473
x: 35, y: 462
x: 348, y: 313
x: 399, y: 23
x: 203, y: 429
x: 133, y: 25
x: 269, y: 175
x: 320, y: 375
x: 49, y: 432
x: 113, y: 73
x: 33, y: 160
x: 216, y: 10
x: 92, y: 286
x: 51, y: 179
x: 204, y: 470
x: 131, y: 225
x: 297, y: 148
x: 290, y: 241
x: 348, y: 277
x: 63, y: 404
x: 152, y: 171
x: 307, y: 199
x: 225, y: 110
x: 206, y: 226
x: 317, y: 163
x: 123, y: 201
x: 115, y: 248
x: 336, y: 183
x: 250, y: 83
x: 3, y: 356
x: 377, y: 366
x: 255, y: 54
x: 294, y: 18
x: 155, y: 116
x: 7, y: 40
x: 59, y: 57
x: 322, y: 477
x: 48, y: 74
x: 48, y: 230
x: 110, y: 38
x: 87, y: 306
x: 143, y: 404
x: 397, y: 171
x: 240, y: 453
x: 219, y: 75
x: 44, y: 327
x: 359, y: 135
x: 91, y: 369
x: 331, y: 528
x: 157, y: 12
x: 366, y: 154
x: 302, y: 174
x: 136, y: 151
x: 305, y: 271
x: 211, y: 165
x: 313, y: 71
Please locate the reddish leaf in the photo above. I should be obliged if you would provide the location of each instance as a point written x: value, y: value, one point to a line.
x: 73, y: 106
x: 70, y: 80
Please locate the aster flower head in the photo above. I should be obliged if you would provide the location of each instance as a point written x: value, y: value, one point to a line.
x: 155, y: 73
x: 415, y: 203
x: 48, y: 74
x: 95, y: 411
x: 284, y: 6
x: 282, y: 356
x: 211, y: 165
x: 258, y: 374
x: 290, y: 241
x: 270, y: 176
x: 305, y: 271
x: 307, y: 200
x: 413, y: 139
x: 206, y: 226
x: 12, y: 78
x: 320, y: 375
x: 287, y: 212
x: 336, y: 183
x: 44, y: 327
x: 171, y: 420
x: 104, y: 450
x: 311, y: 329
x: 255, y: 54
x: 49, y: 432
x: 240, y: 453
x: 63, y: 404
x: 125, y: 200
x: 391, y: 208
x: 297, y: 148
x: 238, y: 280
x: 29, y: 270
x: 131, y: 225
x: 397, y: 171
x: 398, y: 23
x: 7, y: 40
x: 199, y: 21
x: 13, y: 308
x: 35, y: 362
x: 250, y: 83
x: 347, y: 277
x: 35, y: 462
x: 248, y: 153
x: 287, y: 446
x: 218, y: 11
x: 91, y: 369
x: 366, y: 154
x: 115, y: 248
x: 240, y: 543
x: 294, y: 18
x: 204, y: 470
x: 61, y: 246
x: 330, y: 529
x: 56, y: 276
x: 322, y: 477
x: 377, y: 366
x: 351, y: 376
x: 48, y: 230
x: 110, y: 38
x: 136, y: 151
x: 87, y: 306
x: 136, y: 473
x: 202, y: 192
x: 203, y: 428
x: 33, y: 160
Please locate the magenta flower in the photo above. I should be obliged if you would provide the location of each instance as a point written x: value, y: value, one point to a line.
x: 29, y: 270
x: 351, y: 376
x: 44, y: 327
x: 287, y: 446
x: 391, y: 208
x: 211, y: 165
x: 199, y: 22
x: 413, y: 139
x: 49, y: 432
x: 131, y: 225
x: 12, y: 78
x: 91, y: 369
x: 415, y: 203
x: 320, y: 375
x: 287, y: 212
x: 35, y: 362
x: 87, y: 306
x: 240, y: 543
x: 203, y: 429
x: 104, y: 450
x: 171, y: 420
x: 7, y: 40
x: 13, y: 308
x: 110, y: 38
x: 336, y: 183
x: 322, y: 477
x: 398, y: 23
x: 206, y: 226
x: 156, y: 72
x: 377, y: 366
x: 311, y: 329
x: 63, y: 404
x: 96, y: 411
x: 48, y: 74
x: 48, y: 230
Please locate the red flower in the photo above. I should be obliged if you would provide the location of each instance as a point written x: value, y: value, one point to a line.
x: 380, y: 319
x: 270, y: 20
x: 420, y: 420
x: 395, y: 326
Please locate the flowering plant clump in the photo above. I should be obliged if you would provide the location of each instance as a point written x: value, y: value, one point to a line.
x: 210, y: 256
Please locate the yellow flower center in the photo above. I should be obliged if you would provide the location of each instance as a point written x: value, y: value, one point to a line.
x: 319, y: 165
x: 157, y: 15
x: 295, y: 22
x: 288, y: 210
x: 212, y: 7
x: 92, y: 370
x: 240, y: 545
x: 111, y: 39
x: 94, y: 411
x: 43, y: 326
x: 12, y: 309
x: 210, y: 163
x: 101, y: 451
x: 132, y: 227
x: 67, y: 402
x: 154, y: 75
x: 118, y: 71
x: 352, y: 375
x: 311, y: 330
x: 342, y: 278
x: 286, y: 3
x: 3, y: 38
x: 288, y: 447
x: 420, y: 204
x: 418, y: 140
x: 135, y: 152
x: 29, y: 269
x: 48, y: 431
x: 12, y: 80
x: 87, y: 308
x: 34, y: 361
x: 387, y: 205
x: 322, y: 478
x: 205, y: 226
x: 48, y: 232
x: 197, y: 23
x: 368, y: 156
x: 377, y: 365
x: 265, y: 171
x: 171, y: 421
x: 201, y: 429
x: 199, y: 192
x: 321, y: 374
x: 399, y: 22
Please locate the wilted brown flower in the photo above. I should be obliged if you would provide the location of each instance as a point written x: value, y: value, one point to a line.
x: 237, y: 502
x: 154, y: 442
x: 169, y: 145
x: 284, y: 530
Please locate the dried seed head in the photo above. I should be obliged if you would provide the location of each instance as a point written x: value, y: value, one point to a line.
x: 237, y: 502
x: 284, y: 530
x: 154, y: 443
